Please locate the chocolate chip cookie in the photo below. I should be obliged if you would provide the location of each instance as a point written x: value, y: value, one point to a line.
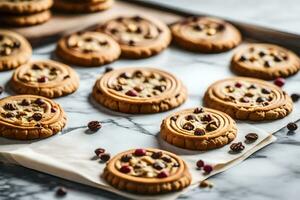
x: 139, y: 90
x: 25, y: 20
x: 248, y: 99
x: 265, y: 61
x: 147, y: 171
x: 14, y: 50
x: 198, y: 129
x: 24, y: 6
x: 26, y: 117
x: 82, y: 6
x: 139, y: 37
x: 45, y: 78
x: 88, y: 49
x: 205, y: 34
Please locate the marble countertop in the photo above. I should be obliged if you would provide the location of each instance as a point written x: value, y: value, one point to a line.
x: 271, y: 173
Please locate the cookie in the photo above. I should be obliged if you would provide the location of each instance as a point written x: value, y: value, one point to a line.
x: 88, y: 49
x: 26, y: 117
x: 205, y: 34
x: 147, y: 171
x: 24, y: 6
x: 82, y: 6
x: 198, y: 129
x: 248, y: 99
x: 45, y: 78
x: 139, y: 37
x: 15, y: 50
x: 25, y: 20
x: 139, y: 90
x: 265, y: 61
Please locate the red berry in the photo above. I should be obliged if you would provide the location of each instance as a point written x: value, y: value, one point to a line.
x: 200, y: 164
x: 125, y: 169
x: 140, y: 152
x: 99, y: 151
x: 61, y: 191
x: 163, y: 174
x: 279, y: 82
x: 207, y: 168
x: 238, y: 85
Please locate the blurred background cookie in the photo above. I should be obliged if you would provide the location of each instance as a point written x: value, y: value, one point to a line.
x: 84, y: 6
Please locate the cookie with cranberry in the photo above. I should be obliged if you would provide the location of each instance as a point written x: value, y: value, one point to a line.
x: 205, y: 34
x: 139, y: 90
x: 25, y: 20
x: 147, y: 171
x: 26, y: 117
x: 24, y: 6
x: 248, y: 99
x: 87, y: 6
x: 265, y: 61
x: 198, y: 129
x: 15, y: 50
x: 45, y: 78
x: 139, y: 37
x: 88, y: 49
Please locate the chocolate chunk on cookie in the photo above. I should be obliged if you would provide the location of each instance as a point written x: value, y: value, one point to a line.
x: 192, y: 130
x: 139, y: 37
x: 142, y: 171
x: 205, y: 34
x: 26, y: 117
x: 266, y: 61
x: 248, y: 99
x: 45, y: 78
x: 139, y: 90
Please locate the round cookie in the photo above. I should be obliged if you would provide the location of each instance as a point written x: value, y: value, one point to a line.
x: 26, y: 117
x: 82, y: 7
x: 14, y: 50
x: 45, y: 78
x: 198, y: 129
x: 147, y: 171
x: 139, y: 90
x: 265, y: 61
x: 205, y: 34
x: 248, y: 99
x: 25, y: 20
x: 139, y: 37
x: 24, y: 6
x: 88, y: 49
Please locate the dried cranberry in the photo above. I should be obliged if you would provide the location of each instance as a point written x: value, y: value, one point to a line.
x: 94, y: 125
x: 163, y: 174
x: 99, y: 151
x: 61, y: 191
x: 292, y: 126
x: 200, y: 164
x: 140, y: 152
x: 125, y: 169
x: 279, y: 82
x: 238, y: 85
x: 104, y: 157
x: 207, y: 168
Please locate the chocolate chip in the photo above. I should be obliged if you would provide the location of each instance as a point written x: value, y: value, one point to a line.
x: 221, y: 27
x: 103, y: 43
x: 199, y: 131
x: 167, y: 159
x: 37, y: 116
x: 131, y: 93
x: 39, y: 101
x: 292, y: 126
x: 295, y: 97
x: 131, y: 43
x: 138, y: 30
x: 211, y: 126
x: 160, y: 88
x: 260, y: 99
x: 261, y: 54
x: 156, y: 155
x: 206, y: 118
x: 108, y: 69
x: 237, y: 147
x: 190, y: 117
x: 104, y: 157
x: 36, y: 67
x: 61, y: 191
x: 10, y: 106
x: 42, y: 79
x: 242, y: 58
x: 265, y: 91
x: 198, y: 27
x: 138, y: 88
x: 174, y: 118
x: 251, y: 137
x: 99, y: 151
x: 277, y: 58
x: 188, y: 126
x: 67, y: 76
x: 267, y: 63
x: 158, y: 165
x: 138, y: 74
x: 176, y: 165
x: 126, y: 158
x: 198, y: 110
x: 9, y: 115
x: 118, y: 87
x: 252, y: 86
x: 25, y: 102
x: 114, y: 31
x: 125, y: 75
x: 163, y: 174
x: 94, y: 126
x: 137, y: 18
x: 1, y: 89
x: 200, y: 164
x: 244, y: 100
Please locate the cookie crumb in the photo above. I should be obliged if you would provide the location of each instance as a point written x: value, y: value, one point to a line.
x: 206, y: 184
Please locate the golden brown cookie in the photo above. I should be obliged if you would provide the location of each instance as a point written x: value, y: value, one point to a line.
x: 266, y: 61
x: 248, y: 99
x: 26, y: 117
x: 82, y: 6
x: 198, y: 129
x: 45, y: 78
x: 139, y: 90
x: 88, y: 49
x: 15, y: 50
x: 25, y: 20
x: 205, y: 34
x: 147, y: 171
x: 24, y: 6
x: 139, y: 37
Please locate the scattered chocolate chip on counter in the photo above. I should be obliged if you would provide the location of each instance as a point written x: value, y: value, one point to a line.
x: 99, y: 151
x: 104, y: 157
x: 237, y: 147
x: 292, y: 126
x: 61, y: 191
x: 251, y: 137
x: 295, y: 97
x: 94, y: 126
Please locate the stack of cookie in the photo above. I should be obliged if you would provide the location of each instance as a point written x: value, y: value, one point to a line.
x: 24, y: 12
x: 82, y: 6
